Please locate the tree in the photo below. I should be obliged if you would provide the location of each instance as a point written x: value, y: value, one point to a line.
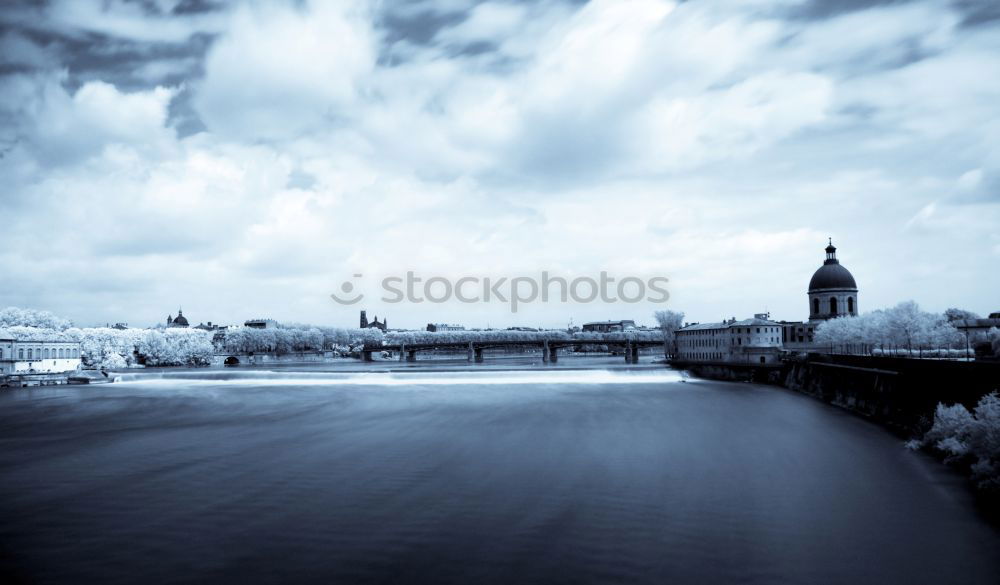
x: 903, y: 325
x: 970, y: 437
x: 994, y: 338
x: 17, y: 317
x: 954, y: 314
x: 670, y: 322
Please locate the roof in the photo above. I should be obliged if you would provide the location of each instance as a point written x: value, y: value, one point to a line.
x: 618, y: 322
x: 727, y: 324
x: 976, y: 323
x: 832, y: 275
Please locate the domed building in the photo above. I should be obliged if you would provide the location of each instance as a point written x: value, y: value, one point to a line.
x: 179, y: 321
x: 832, y: 290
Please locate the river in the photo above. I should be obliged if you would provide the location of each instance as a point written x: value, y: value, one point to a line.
x: 506, y: 474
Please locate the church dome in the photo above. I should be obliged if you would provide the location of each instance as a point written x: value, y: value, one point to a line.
x: 831, y: 275
x: 181, y: 319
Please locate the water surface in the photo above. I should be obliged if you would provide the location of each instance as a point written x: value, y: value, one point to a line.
x: 485, y: 476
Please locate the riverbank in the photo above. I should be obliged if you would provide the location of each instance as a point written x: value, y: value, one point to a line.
x: 899, y: 394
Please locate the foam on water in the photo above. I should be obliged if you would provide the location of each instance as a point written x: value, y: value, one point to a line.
x: 491, y: 377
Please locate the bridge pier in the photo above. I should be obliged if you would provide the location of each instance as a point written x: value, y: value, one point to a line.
x: 402, y: 351
x: 471, y: 352
x: 553, y: 354
x: 631, y: 353
x: 479, y: 355
x: 367, y: 355
x: 545, y: 351
x: 411, y: 355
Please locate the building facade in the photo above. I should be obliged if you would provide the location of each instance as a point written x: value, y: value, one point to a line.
x: 750, y: 341
x: 258, y: 323
x: 793, y: 332
x: 977, y: 329
x: 438, y: 327
x: 609, y: 326
x: 38, y: 357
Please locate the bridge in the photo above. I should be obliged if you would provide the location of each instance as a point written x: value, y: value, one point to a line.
x: 549, y: 347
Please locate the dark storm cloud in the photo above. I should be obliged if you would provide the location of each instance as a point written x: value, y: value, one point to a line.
x: 821, y: 9
x: 181, y: 115
x: 132, y: 65
x: 182, y: 7
x: 978, y: 12
x: 973, y: 12
x: 128, y: 64
x: 419, y: 27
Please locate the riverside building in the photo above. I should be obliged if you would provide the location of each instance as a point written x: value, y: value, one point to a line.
x: 750, y: 341
x: 38, y: 357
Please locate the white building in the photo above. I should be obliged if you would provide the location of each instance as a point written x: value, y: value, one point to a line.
x: 750, y: 341
x: 609, y: 326
x: 38, y: 357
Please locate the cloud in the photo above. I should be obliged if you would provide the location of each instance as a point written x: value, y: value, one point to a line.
x: 58, y: 127
x: 282, y: 71
x: 113, y: 18
x: 20, y: 52
x: 223, y: 158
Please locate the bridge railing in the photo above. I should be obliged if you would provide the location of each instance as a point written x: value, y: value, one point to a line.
x: 532, y: 337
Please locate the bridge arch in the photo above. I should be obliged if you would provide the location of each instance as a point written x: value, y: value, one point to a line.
x: 232, y: 361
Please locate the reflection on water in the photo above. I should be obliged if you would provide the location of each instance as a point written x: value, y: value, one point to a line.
x: 500, y: 476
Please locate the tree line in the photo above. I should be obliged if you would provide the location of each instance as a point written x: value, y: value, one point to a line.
x: 901, y: 330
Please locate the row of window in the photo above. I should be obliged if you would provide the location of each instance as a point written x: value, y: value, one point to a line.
x: 41, y: 354
x: 834, y: 305
x: 716, y: 343
x: 735, y: 331
x: 702, y: 356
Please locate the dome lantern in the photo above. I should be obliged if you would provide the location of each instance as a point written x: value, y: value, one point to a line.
x: 831, y: 253
x: 832, y: 289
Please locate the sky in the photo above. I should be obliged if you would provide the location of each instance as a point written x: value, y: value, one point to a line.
x: 245, y: 159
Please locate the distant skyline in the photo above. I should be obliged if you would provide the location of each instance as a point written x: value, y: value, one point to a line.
x: 243, y: 159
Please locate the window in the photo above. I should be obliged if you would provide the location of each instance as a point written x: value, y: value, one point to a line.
x: 815, y: 306
x: 20, y: 353
x: 833, y: 305
x: 850, y: 305
x: 46, y: 351
x: 29, y: 353
x: 60, y: 352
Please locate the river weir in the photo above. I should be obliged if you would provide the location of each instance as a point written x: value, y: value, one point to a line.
x: 597, y: 474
